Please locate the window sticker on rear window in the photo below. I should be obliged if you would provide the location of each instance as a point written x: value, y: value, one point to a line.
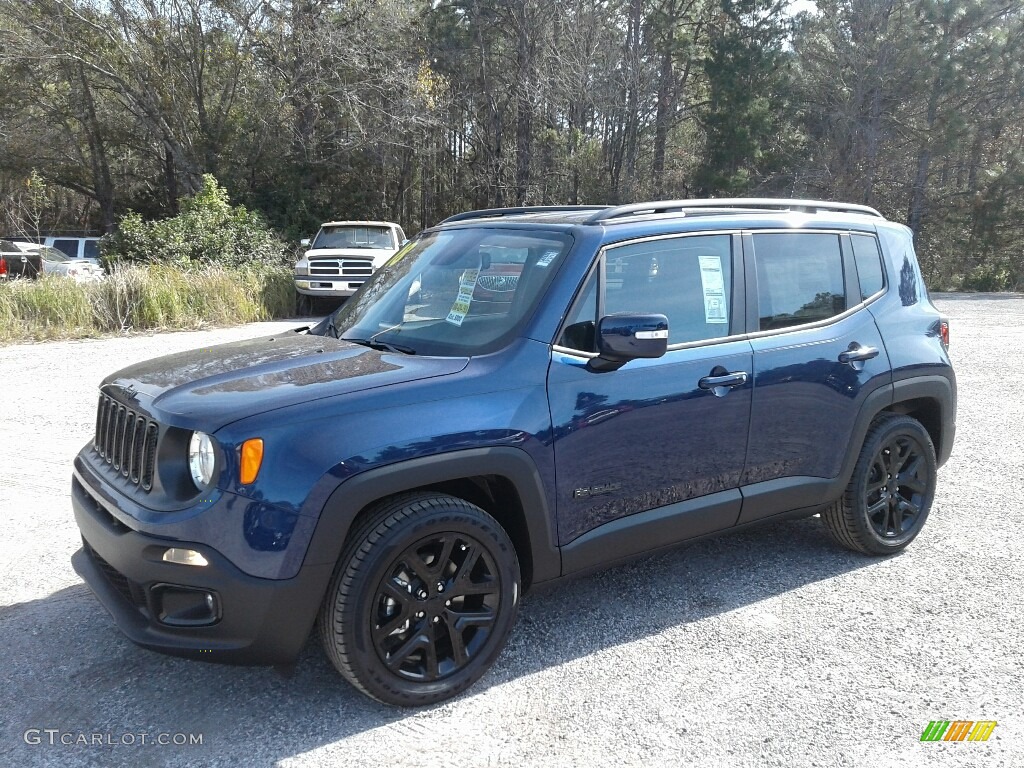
x: 467, y: 284
x: 715, y: 309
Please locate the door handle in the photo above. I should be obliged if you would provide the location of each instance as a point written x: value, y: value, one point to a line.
x: 728, y: 380
x: 857, y: 354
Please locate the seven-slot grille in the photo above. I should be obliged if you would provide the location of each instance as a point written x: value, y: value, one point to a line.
x: 341, y: 267
x: 126, y: 440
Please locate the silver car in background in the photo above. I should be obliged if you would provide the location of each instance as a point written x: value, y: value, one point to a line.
x: 55, y: 262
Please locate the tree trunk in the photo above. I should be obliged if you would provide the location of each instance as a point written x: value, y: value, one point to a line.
x: 170, y: 182
x: 102, y: 182
x: 524, y: 101
x: 662, y: 119
x: 632, y: 127
x: 918, y: 196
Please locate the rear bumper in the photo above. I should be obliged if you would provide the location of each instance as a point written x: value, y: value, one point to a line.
x: 255, y: 621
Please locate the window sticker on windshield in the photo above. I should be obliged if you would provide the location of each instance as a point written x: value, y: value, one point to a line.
x: 711, y: 277
x: 547, y: 258
x: 467, y: 284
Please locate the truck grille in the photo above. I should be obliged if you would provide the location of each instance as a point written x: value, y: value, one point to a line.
x: 341, y: 267
x: 126, y: 440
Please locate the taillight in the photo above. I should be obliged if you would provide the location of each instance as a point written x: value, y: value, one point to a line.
x: 944, y: 333
x: 3, y: 266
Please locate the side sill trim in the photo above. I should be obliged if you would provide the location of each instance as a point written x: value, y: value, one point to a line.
x: 636, y: 534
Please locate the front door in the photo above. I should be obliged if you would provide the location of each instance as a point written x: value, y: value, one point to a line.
x: 655, y: 434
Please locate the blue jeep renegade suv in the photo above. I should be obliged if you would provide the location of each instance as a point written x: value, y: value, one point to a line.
x: 517, y: 396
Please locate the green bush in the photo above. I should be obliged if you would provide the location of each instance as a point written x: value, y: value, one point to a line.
x: 209, y: 230
x: 142, y: 298
x: 992, y: 277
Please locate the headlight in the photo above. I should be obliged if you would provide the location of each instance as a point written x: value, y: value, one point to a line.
x: 201, y: 459
x: 302, y: 267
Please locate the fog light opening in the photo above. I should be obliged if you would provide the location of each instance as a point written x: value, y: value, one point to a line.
x: 179, y: 606
x: 184, y: 557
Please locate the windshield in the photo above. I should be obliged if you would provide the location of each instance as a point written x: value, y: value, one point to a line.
x: 445, y: 294
x: 52, y: 254
x: 348, y: 236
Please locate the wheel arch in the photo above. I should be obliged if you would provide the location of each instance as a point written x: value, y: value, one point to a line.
x: 930, y: 400
x: 503, y: 481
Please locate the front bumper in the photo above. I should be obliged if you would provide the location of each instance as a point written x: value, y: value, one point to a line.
x: 328, y: 287
x: 257, y: 621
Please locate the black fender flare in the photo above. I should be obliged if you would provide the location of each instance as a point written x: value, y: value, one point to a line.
x: 942, y: 389
x: 514, y: 464
x: 931, y: 387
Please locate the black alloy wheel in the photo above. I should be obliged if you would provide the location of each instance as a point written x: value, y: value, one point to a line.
x: 422, y: 601
x: 897, y: 487
x: 891, y: 490
x: 436, y: 607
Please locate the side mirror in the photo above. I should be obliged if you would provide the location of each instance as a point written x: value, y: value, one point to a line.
x: 625, y: 337
x: 304, y: 241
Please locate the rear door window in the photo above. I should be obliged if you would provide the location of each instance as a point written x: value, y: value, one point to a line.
x: 799, y: 278
x: 92, y: 249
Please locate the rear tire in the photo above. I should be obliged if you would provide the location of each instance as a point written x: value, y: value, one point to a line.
x: 422, y: 601
x: 890, y: 493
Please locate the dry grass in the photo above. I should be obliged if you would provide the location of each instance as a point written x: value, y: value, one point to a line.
x: 142, y: 298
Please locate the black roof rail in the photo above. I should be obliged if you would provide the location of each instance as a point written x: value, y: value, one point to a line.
x: 749, y: 204
x: 494, y: 213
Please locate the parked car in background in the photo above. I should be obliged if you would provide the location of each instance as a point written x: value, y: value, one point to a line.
x: 86, y: 248
x: 14, y: 262
x: 342, y: 256
x: 56, y: 262
x: 499, y: 274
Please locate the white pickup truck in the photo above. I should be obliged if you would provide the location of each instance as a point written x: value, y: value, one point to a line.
x: 342, y: 256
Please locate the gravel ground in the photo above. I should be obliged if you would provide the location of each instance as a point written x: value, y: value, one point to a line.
x: 767, y: 648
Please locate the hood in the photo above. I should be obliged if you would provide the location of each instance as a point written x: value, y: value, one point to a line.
x: 209, y: 388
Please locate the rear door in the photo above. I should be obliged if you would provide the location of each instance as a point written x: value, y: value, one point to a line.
x: 654, y: 434
x: 817, y: 355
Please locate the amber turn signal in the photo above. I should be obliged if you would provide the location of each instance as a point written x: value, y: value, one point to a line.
x: 252, y: 458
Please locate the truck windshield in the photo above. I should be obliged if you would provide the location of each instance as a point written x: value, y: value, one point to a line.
x: 354, y: 237
x: 446, y: 293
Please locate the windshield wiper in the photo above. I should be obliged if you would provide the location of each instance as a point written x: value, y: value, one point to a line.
x: 383, y: 346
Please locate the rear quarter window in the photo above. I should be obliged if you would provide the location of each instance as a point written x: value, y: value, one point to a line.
x: 869, y: 265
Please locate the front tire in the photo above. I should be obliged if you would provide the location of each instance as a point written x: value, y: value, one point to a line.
x: 890, y: 493
x: 422, y: 601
